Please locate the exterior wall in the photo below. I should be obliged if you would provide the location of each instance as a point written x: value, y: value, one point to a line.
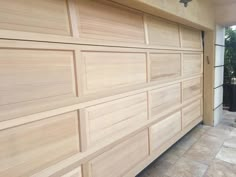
x: 225, y: 13
x: 219, y: 73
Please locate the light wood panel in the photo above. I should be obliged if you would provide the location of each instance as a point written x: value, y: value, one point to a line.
x: 162, y: 33
x: 163, y: 131
x: 44, y: 16
x: 192, y: 88
x: 192, y: 63
x: 191, y: 113
x: 32, y: 147
x: 103, y: 21
x: 29, y: 75
x: 190, y: 38
x: 111, y: 78
x: 74, y: 173
x: 121, y: 158
x: 111, y: 120
x: 111, y: 70
x: 164, y: 100
x: 164, y: 66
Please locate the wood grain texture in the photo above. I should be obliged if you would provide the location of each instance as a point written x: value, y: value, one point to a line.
x: 162, y: 33
x: 190, y: 38
x: 74, y: 173
x: 122, y: 158
x: 191, y: 88
x: 44, y: 16
x: 105, y: 88
x: 107, y: 22
x: 163, y: 131
x: 191, y: 112
x: 32, y: 147
x: 29, y: 75
x: 192, y: 63
x: 111, y: 70
x: 163, y: 100
x: 112, y: 120
x: 163, y: 66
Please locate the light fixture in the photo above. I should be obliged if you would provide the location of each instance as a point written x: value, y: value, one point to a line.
x: 185, y: 2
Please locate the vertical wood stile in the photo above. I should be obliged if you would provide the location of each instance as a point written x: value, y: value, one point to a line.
x: 73, y: 17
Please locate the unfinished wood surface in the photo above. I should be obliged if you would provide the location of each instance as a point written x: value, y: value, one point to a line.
x: 111, y: 120
x: 164, y: 100
x: 191, y: 113
x: 74, y: 173
x: 111, y: 70
x: 163, y: 131
x: 44, y: 16
x: 192, y: 63
x: 164, y: 66
x: 190, y: 38
x: 121, y: 158
x: 32, y: 147
x: 103, y: 21
x: 28, y: 75
x: 106, y: 87
x: 162, y: 33
x: 191, y: 88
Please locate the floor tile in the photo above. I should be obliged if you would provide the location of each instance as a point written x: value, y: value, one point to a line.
x: 233, y: 132
x: 230, y: 142
x: 187, y: 168
x: 211, y: 141
x: 219, y: 133
x: 219, y: 168
x: 169, y: 157
x: 227, y: 154
x: 202, y: 154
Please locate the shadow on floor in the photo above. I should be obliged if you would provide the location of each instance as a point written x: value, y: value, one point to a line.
x: 204, y: 152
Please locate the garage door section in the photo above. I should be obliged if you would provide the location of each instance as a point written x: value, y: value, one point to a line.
x: 91, y: 88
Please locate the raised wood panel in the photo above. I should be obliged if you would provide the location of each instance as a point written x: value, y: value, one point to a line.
x: 164, y: 66
x: 192, y: 63
x: 107, y: 22
x: 112, y: 70
x: 191, y: 112
x: 191, y: 38
x: 74, y: 173
x: 28, y: 75
x: 163, y: 100
x: 32, y: 147
x: 44, y: 16
x: 162, y: 33
x: 163, y: 131
x: 191, y: 88
x: 121, y: 158
x: 111, y: 120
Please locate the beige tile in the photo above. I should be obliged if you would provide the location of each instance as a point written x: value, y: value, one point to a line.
x: 161, y: 169
x: 219, y: 168
x: 187, y: 168
x: 202, y: 154
x: 227, y: 154
x: 219, y: 132
x: 227, y: 126
x: 169, y: 157
x: 233, y: 132
x: 211, y: 141
x: 230, y: 143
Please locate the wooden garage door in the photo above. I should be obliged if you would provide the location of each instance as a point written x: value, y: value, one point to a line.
x: 87, y: 83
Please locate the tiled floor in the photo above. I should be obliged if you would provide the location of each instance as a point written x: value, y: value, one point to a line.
x: 203, y: 152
